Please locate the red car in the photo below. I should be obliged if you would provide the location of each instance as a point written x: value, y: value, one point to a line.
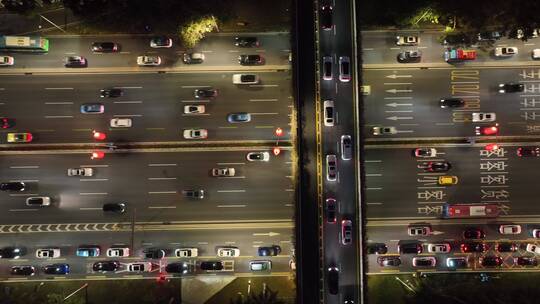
x: 487, y: 130
x: 491, y: 261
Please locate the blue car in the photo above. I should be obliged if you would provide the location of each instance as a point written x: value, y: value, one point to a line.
x: 88, y: 251
x: 56, y: 269
x: 92, y: 108
x: 239, y: 117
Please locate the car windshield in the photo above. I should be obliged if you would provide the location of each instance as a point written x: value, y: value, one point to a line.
x: 248, y: 78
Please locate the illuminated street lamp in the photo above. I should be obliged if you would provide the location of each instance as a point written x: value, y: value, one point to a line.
x: 276, y: 151
x: 279, y: 132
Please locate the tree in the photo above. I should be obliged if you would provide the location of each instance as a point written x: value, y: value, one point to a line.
x: 192, y: 32
x: 19, y: 6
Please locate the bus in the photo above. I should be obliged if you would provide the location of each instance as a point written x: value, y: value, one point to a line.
x: 470, y: 210
x: 34, y: 44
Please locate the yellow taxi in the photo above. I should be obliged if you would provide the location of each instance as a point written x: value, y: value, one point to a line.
x: 447, y: 180
x: 19, y: 137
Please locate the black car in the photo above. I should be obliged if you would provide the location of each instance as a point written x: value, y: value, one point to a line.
x: 205, y: 93
x: 511, y: 87
x: 114, y: 207
x: 112, y: 93
x: 525, y: 261
x: 435, y: 166
x: 23, y: 270
x: 489, y: 36
x: 458, y: 39
x: 154, y: 253
x: 246, y: 42
x: 332, y: 276
x: 451, y: 103
x: 56, y: 269
x: 386, y: 261
x: 409, y: 56
x: 250, y: 59
x: 6, y: 123
x: 177, y: 268
x: 410, y: 248
x: 105, y: 47
x: 491, y: 261
x: 331, y: 210
x: 506, y: 247
x: 377, y: 248
x: 326, y: 17
x: 269, y: 250
x: 473, y: 233
x: 211, y: 265
x: 528, y: 151
x: 161, y: 42
x: 193, y: 194
x: 75, y: 62
x: 11, y: 252
x: 12, y: 186
x: 473, y: 247
x: 106, y: 266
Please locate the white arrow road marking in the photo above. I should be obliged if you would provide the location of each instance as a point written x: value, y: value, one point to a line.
x: 399, y: 117
x: 394, y: 76
x: 395, y: 104
x: 394, y: 91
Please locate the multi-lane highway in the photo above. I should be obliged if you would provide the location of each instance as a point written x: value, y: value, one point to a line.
x: 400, y: 193
x: 153, y: 163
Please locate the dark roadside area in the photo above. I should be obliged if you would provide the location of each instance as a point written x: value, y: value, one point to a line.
x: 233, y: 16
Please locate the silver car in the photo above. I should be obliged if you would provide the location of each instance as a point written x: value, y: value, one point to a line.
x: 378, y: 130
x: 331, y: 167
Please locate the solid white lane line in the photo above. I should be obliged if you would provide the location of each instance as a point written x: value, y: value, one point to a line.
x: 194, y: 87
x: 264, y: 113
x: 161, y: 192
x: 59, y: 88
x: 195, y: 101
x: 95, y: 166
x: 90, y: 208
x: 93, y: 179
x: 60, y: 116
x: 161, y: 178
x: 161, y: 165
x: 223, y: 164
x: 26, y: 180
x: 127, y: 115
x: 231, y: 206
x: 19, y: 210
x: 233, y: 177
x: 59, y: 103
x: 93, y: 193
x: 230, y: 191
x: 263, y: 85
x: 24, y: 167
x: 134, y: 101
x: 268, y: 99
x: 129, y: 87
x: 162, y: 207
x: 26, y: 194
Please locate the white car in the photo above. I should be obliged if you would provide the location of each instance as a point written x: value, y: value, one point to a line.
x: 118, y: 252
x: 439, y: 248
x: 510, y: 229
x: 121, y: 123
x: 506, y: 51
x: 419, y: 230
x: 223, y: 172
x: 48, y: 253
x: 194, y: 109
x: 535, y: 233
x: 195, y: 133
x: 80, y: 172
x: 228, y: 252
x: 425, y: 152
x: 148, y: 60
x: 245, y: 79
x: 186, y: 252
x: 407, y: 40
x: 378, y: 130
x: 483, y: 117
x: 139, y: 267
x: 258, y: 156
x: 533, y: 248
x: 536, y: 54
x: 6, y: 60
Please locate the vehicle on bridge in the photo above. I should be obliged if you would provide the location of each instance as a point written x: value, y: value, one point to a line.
x: 470, y: 210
